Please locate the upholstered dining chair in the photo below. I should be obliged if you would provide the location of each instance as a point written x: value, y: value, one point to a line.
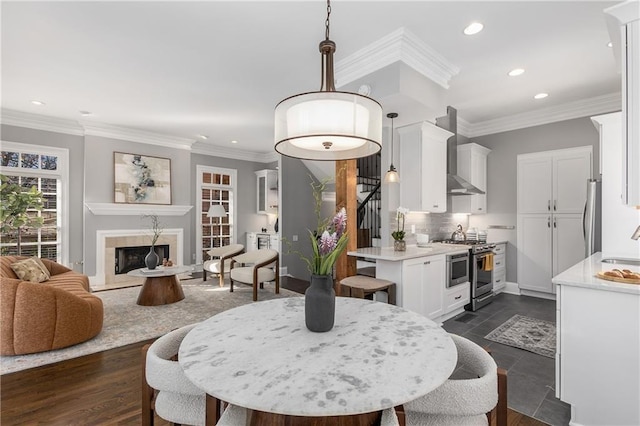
x: 255, y: 268
x: 220, y: 261
x: 462, y: 402
x: 167, y: 392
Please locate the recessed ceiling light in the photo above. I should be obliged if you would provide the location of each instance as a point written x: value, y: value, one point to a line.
x: 203, y: 137
x: 234, y: 141
x: 610, y: 44
x: 86, y: 113
x: 473, y: 28
x: 541, y: 96
x: 516, y: 71
x: 39, y: 103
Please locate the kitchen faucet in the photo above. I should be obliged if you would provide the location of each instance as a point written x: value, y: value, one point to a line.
x: 636, y: 234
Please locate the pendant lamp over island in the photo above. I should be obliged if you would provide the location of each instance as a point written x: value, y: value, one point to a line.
x: 328, y: 124
x: 392, y: 175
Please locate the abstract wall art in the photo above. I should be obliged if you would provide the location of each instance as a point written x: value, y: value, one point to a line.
x: 141, y: 179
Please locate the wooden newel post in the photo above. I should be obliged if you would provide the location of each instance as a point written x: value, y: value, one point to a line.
x: 346, y: 197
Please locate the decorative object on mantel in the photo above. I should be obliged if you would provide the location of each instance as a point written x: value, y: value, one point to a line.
x: 141, y: 179
x: 152, y: 259
x: 328, y: 125
x: 399, y: 244
x: 392, y: 175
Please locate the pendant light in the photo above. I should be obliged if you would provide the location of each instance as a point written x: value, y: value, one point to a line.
x: 328, y: 124
x: 392, y: 175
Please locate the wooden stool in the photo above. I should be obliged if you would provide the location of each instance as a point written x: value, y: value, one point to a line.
x: 361, y: 286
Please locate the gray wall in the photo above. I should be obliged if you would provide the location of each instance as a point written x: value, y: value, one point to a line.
x: 297, y: 215
x: 247, y: 218
x: 75, y: 145
x: 502, y: 172
x: 99, y: 178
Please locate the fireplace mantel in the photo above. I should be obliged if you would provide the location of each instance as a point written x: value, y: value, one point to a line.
x: 116, y: 209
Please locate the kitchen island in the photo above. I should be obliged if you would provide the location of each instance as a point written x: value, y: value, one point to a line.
x: 598, y: 344
x: 420, y: 277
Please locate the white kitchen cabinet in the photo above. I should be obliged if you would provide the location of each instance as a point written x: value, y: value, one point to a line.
x: 423, y: 283
x: 262, y: 240
x: 553, y: 181
x: 618, y: 219
x: 551, y: 198
x: 472, y: 166
x: 534, y: 252
x: 499, y: 267
x: 547, y: 245
x: 423, y: 158
x: 267, y: 191
x: 456, y: 297
x: 626, y: 29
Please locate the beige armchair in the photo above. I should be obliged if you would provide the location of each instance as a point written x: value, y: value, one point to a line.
x: 256, y: 268
x: 220, y: 260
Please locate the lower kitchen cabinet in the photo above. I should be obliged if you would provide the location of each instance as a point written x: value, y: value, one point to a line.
x: 499, y: 267
x: 423, y: 282
x: 547, y: 245
x: 456, y: 297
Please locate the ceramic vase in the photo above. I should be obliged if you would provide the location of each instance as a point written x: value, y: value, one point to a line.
x: 320, y: 304
x: 399, y: 245
x: 151, y: 259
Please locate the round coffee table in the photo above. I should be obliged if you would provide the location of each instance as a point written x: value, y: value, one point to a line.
x: 161, y: 285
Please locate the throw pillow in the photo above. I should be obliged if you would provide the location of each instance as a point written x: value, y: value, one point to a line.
x: 31, y: 269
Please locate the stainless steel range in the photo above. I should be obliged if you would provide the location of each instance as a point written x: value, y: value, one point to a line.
x: 480, y: 272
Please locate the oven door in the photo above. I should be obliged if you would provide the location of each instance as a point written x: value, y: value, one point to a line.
x: 457, y: 269
x: 482, y: 274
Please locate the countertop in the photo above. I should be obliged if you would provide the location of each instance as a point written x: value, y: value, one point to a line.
x: 583, y: 275
x: 413, y: 251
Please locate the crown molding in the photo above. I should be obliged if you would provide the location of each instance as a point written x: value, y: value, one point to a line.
x: 41, y: 122
x: 400, y: 45
x: 570, y: 110
x: 233, y: 153
x: 134, y: 135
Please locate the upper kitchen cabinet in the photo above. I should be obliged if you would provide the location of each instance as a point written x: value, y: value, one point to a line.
x: 472, y: 166
x: 423, y: 164
x: 267, y: 193
x: 553, y: 181
x: 626, y: 28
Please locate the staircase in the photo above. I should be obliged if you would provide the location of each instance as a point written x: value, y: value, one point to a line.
x: 369, y: 200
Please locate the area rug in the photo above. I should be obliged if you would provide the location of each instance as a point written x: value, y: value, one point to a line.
x: 527, y: 333
x: 125, y: 322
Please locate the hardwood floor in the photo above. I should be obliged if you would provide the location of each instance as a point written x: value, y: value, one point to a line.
x: 98, y: 389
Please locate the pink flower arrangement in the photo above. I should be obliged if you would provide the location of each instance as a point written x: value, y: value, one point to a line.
x: 328, y: 242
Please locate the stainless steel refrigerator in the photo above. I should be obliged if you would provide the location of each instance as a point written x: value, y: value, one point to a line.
x: 592, y: 217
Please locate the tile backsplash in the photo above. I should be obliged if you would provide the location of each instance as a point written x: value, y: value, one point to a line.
x: 438, y: 225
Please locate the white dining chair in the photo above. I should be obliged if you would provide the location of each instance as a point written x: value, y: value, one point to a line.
x: 220, y: 261
x: 464, y: 402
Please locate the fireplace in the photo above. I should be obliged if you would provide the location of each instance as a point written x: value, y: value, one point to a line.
x: 130, y: 258
x: 108, y: 241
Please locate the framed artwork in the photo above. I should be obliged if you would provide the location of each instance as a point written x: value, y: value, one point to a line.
x: 141, y: 179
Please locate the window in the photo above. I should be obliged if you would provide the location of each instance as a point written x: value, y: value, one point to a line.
x: 215, y: 186
x: 46, y: 169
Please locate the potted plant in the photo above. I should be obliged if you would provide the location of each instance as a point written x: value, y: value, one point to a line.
x: 16, y: 209
x: 399, y: 244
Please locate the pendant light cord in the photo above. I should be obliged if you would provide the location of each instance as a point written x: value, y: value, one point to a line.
x: 392, y: 115
x: 326, y: 23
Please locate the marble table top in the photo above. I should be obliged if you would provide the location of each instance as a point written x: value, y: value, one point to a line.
x: 261, y: 356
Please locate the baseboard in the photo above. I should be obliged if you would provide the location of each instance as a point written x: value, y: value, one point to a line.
x: 511, y: 288
x: 538, y: 294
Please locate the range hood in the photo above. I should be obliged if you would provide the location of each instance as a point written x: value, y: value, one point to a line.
x: 455, y: 184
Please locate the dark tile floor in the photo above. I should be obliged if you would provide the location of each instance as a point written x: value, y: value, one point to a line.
x: 530, y: 377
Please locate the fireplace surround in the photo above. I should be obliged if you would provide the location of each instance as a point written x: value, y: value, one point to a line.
x: 108, y: 240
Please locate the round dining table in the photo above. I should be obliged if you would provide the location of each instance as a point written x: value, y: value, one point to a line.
x: 262, y: 357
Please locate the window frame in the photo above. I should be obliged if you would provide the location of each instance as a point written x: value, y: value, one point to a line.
x: 232, y: 187
x: 61, y: 174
